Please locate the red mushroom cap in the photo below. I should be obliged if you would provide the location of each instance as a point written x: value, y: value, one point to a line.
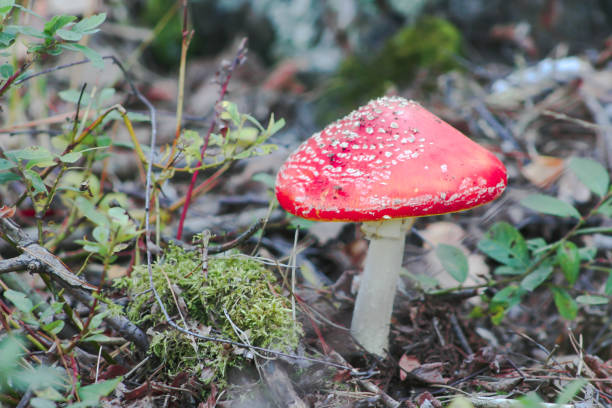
x: 388, y: 159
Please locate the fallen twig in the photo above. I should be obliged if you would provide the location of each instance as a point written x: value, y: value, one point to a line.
x: 38, y: 259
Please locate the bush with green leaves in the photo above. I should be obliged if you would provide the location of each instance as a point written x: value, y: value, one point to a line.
x: 524, y: 265
x: 60, y: 33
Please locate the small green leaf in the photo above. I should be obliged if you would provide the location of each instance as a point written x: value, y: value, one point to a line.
x: 93, y: 56
x: 507, y: 270
x: 57, y: 22
x: 27, y: 30
x: 7, y: 176
x: 505, y: 244
x: 72, y: 96
x: 565, y: 304
x: 5, y: 164
x: 71, y: 157
x: 42, y: 403
x: 96, y: 321
x: 98, y: 338
x: 508, y: 296
x: 69, y: 35
x: 608, y: 288
x: 91, y: 212
x: 54, y: 327
x: 570, y: 391
x: 605, y: 208
x: 101, y: 234
x: 6, y: 39
x: 6, y: 6
x: 454, y: 261
x: 266, y: 179
x: 592, y: 300
x: 568, y: 258
x: 587, y: 254
x: 6, y: 70
x: 34, y: 155
x: 94, y: 392
x: 301, y: 223
x: 591, y: 174
x: 549, y: 205
x: 21, y: 302
x: 536, y: 278
x: 37, y: 183
x: 88, y: 25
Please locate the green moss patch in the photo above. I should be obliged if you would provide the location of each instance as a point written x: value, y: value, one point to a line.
x: 237, y: 285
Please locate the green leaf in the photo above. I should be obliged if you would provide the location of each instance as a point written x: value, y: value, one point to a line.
x: 94, y: 392
x: 42, y: 403
x: 88, y: 25
x: 91, y: 212
x: 71, y: 157
x: 6, y: 177
x: 570, y: 391
x: 5, y: 164
x: 530, y: 400
x: 565, y: 304
x: 507, y: 270
x: 57, y: 22
x: 508, y: 296
x: 505, y: 244
x: 21, y: 302
x: 454, y: 261
x: 587, y: 253
x: 37, y: 183
x: 266, y: 179
x: 6, y: 6
x: 550, y: 205
x: 301, y: 223
x: 10, y: 352
x: 54, y: 327
x: 101, y: 234
x: 93, y: 56
x: 34, y: 155
x: 592, y: 300
x: 96, y: 321
x: 69, y: 35
x: 27, y: 30
x: 6, y: 39
x: 608, y: 288
x: 72, y: 96
x: 536, y: 278
x: 591, y: 174
x: 568, y: 258
x: 605, y: 208
x: 6, y: 70
x: 230, y: 112
x: 98, y: 338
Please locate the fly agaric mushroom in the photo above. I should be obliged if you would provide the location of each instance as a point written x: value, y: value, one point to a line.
x: 384, y: 164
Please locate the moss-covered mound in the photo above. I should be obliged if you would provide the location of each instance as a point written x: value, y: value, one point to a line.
x: 235, y: 285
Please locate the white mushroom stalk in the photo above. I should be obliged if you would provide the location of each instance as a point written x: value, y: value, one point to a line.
x: 374, y: 302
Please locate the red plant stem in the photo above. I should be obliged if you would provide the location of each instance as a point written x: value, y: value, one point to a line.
x: 13, y: 77
x: 237, y: 60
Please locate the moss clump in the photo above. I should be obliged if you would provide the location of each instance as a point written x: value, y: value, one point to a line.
x: 430, y: 44
x: 238, y: 285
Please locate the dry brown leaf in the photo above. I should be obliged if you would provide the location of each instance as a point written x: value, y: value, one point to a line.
x: 543, y: 170
x: 407, y: 364
x: 6, y: 211
x: 430, y: 373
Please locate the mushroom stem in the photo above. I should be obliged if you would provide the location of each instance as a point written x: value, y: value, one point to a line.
x: 374, y: 302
